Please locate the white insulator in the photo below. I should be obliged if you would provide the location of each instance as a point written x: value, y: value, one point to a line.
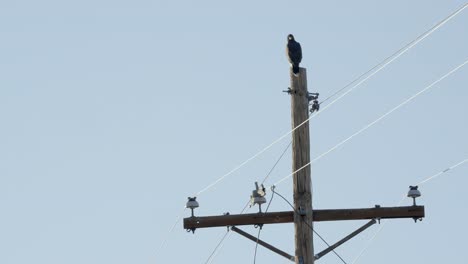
x: 259, y: 200
x: 414, y: 192
x: 192, y: 204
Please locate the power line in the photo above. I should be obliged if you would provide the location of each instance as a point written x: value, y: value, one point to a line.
x: 276, y: 163
x: 400, y: 52
x: 442, y: 172
x: 355, y: 134
x: 391, y: 111
x: 243, y: 163
x: 256, y: 245
x: 221, y: 242
x: 307, y: 224
x: 371, y: 239
x: 219, y: 245
x: 369, y: 242
x: 170, y: 231
x: 260, y: 228
x: 179, y: 218
x: 371, y: 124
x: 271, y: 170
x: 386, y: 62
x: 375, y: 121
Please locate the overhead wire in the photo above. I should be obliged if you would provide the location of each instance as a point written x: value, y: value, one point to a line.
x: 369, y: 242
x: 243, y: 163
x: 240, y: 166
x: 374, y: 122
x: 179, y: 218
x: 260, y: 228
x: 218, y: 246
x: 442, y: 172
x: 163, y: 243
x: 305, y: 222
x: 271, y: 170
x: 399, y: 52
x: 221, y: 242
x: 377, y: 69
x: 383, y: 64
x: 256, y: 245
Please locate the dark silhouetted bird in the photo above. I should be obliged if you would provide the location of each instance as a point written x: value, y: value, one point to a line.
x: 294, y: 52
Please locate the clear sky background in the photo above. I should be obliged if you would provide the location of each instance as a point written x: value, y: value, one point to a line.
x: 113, y: 112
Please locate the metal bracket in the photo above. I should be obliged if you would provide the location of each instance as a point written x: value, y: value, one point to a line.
x: 300, y: 260
x: 348, y: 237
x: 312, y: 96
x: 289, y: 91
x: 301, y: 211
x: 262, y: 243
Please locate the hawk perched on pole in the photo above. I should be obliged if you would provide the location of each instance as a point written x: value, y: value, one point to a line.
x: 294, y: 52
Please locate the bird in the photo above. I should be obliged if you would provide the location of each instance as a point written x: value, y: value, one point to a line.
x: 294, y: 52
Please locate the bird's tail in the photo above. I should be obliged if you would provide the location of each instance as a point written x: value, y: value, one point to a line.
x: 295, y: 68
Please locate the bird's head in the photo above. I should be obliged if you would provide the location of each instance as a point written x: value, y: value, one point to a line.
x: 290, y: 37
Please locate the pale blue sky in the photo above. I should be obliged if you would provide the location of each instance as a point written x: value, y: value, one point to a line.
x: 113, y: 112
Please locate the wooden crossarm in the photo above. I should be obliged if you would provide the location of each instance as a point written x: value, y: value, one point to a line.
x: 415, y: 212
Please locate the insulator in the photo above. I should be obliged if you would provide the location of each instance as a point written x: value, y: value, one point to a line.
x: 192, y: 203
x: 414, y: 192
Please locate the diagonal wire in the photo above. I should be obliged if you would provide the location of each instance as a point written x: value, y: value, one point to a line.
x: 307, y: 224
x: 377, y: 69
x: 170, y: 231
x: 256, y: 245
x: 271, y: 170
x: 245, y: 162
x: 442, y: 172
x: 401, y: 51
x: 179, y: 218
x: 369, y: 242
x: 218, y: 246
x: 260, y: 228
x: 276, y: 163
x: 383, y: 64
x: 221, y: 242
x: 392, y: 110
x: 375, y: 121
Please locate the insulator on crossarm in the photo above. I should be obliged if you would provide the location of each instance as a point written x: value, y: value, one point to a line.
x: 414, y: 193
x: 192, y: 204
x: 258, y: 196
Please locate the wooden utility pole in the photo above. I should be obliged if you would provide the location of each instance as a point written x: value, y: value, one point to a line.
x: 303, y: 214
x: 301, y: 179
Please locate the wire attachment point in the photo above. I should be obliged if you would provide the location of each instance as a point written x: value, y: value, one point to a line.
x: 315, y: 105
x: 192, y: 204
x: 289, y: 91
x: 258, y: 196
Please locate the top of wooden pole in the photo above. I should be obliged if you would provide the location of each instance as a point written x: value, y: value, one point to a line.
x: 301, y: 180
